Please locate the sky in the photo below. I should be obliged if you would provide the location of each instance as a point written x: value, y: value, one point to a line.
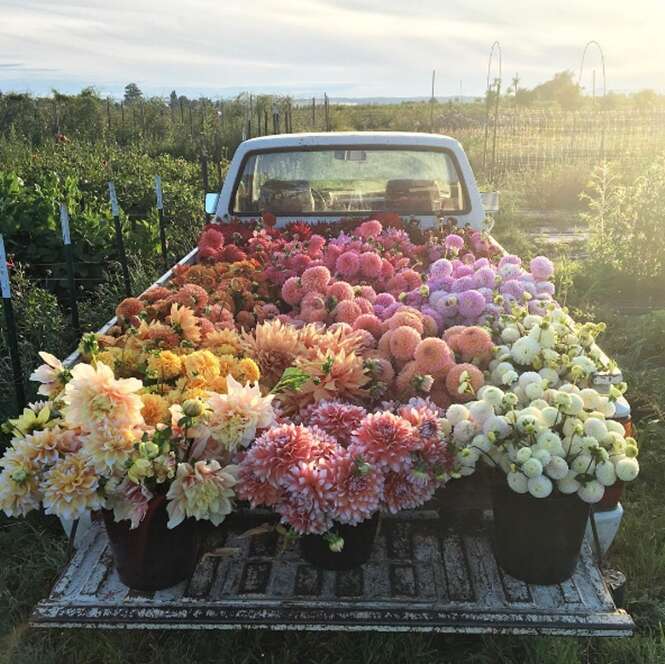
x: 361, y: 48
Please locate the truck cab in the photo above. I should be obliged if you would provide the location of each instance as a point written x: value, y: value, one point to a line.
x: 320, y: 177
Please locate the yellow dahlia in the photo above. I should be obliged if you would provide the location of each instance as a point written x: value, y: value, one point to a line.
x: 201, y: 365
x: 19, y: 488
x: 94, y: 398
x: 246, y: 371
x: 202, y: 491
x: 164, y: 365
x: 71, y: 487
x: 155, y: 409
x: 109, y: 449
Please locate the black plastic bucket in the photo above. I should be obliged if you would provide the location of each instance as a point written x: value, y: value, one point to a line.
x: 538, y: 540
x: 152, y: 556
x: 358, y: 544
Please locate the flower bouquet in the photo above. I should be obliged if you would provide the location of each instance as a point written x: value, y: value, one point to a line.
x: 555, y: 451
x: 155, y: 465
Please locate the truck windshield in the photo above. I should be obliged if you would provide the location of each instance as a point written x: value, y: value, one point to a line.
x: 337, y: 180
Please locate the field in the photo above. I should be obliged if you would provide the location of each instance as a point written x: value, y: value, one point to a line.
x: 612, y: 269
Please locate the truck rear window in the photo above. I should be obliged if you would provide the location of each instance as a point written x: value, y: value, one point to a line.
x: 329, y: 181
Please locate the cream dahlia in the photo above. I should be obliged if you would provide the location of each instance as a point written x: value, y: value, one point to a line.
x: 202, y: 491
x: 94, y: 398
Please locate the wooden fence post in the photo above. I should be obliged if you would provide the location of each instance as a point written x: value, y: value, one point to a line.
x: 120, y: 243
x: 69, y: 259
x: 12, y: 335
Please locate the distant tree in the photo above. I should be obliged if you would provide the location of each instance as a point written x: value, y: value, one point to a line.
x: 132, y: 93
x: 561, y: 89
x: 173, y: 99
x: 645, y: 99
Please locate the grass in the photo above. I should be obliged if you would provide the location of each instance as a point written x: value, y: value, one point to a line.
x: 32, y: 552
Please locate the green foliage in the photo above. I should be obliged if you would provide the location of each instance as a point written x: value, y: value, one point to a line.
x: 627, y: 223
x: 41, y: 326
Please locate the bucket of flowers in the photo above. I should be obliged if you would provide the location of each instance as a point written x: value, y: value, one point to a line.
x: 153, y: 455
x: 555, y: 455
x: 329, y: 479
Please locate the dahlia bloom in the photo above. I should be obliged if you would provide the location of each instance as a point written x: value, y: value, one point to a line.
x: 95, y: 398
x: 358, y: 489
x: 401, y: 492
x: 202, y: 491
x: 108, y: 449
x: 348, y: 264
x: 386, y: 440
x: 71, y: 487
x: 315, y: 279
x: 51, y: 375
x: 129, y: 501
x: 337, y: 419
x: 433, y: 356
x: 243, y: 403
x: 368, y: 229
x: 463, y: 381
x: 185, y: 323
x: 404, y: 341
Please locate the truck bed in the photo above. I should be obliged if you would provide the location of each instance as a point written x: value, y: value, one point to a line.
x: 424, y: 575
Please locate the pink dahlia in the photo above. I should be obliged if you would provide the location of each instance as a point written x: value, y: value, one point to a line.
x: 370, y: 323
x: 401, y: 492
x: 310, y: 497
x: 292, y: 291
x: 278, y: 449
x: 315, y: 245
x: 474, y: 344
x: 403, y: 342
x: 371, y: 228
x: 254, y: 490
x: 387, y: 270
x: 463, y: 382
x: 348, y: 264
x: 433, y: 356
x: 370, y: 264
x: 365, y: 305
x: 337, y: 419
x: 299, y: 262
x: 368, y: 293
x: 315, y: 279
x: 347, y: 311
x: 386, y: 440
x: 340, y: 290
x: 359, y: 489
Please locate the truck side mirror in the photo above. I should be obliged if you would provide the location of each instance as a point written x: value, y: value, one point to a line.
x: 490, y: 200
x: 211, y: 202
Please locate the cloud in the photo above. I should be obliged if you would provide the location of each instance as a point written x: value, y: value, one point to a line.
x: 354, y: 47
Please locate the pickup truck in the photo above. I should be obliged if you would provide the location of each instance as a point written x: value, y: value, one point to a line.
x: 318, y: 178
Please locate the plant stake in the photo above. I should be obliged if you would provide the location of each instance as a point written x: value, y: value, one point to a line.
x: 120, y: 244
x: 69, y: 258
x: 10, y: 321
x: 160, y: 212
